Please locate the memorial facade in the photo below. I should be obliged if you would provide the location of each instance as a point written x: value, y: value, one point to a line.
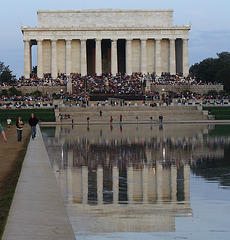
x: 106, y: 41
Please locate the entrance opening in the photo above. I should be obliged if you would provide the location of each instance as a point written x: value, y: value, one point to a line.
x: 179, y: 53
x: 106, y: 56
x: 121, y: 55
x: 90, y: 49
x: 33, y: 70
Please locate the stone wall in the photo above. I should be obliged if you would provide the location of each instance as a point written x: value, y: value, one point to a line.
x: 43, y: 89
x: 150, y: 55
x: 46, y: 56
x: 136, y: 56
x: 158, y: 88
x: 193, y: 88
x: 110, y: 18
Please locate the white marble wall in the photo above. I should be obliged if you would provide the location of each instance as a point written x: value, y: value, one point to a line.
x: 150, y: 56
x: 106, y: 18
x: 61, y: 54
x: 76, y: 56
x: 46, y: 56
x: 136, y: 57
x: 151, y: 41
x: 165, y: 55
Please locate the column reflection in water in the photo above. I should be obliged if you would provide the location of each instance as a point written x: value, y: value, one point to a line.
x: 137, y: 178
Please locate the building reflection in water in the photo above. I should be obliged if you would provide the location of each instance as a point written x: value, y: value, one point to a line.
x: 127, y: 179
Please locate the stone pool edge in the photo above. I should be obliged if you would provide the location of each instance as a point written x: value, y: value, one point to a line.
x: 37, y: 209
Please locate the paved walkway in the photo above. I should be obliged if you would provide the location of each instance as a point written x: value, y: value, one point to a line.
x: 37, y: 211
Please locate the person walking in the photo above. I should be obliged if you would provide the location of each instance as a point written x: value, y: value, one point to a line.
x: 33, y: 122
x: 3, y: 133
x: 19, y: 125
x: 121, y: 118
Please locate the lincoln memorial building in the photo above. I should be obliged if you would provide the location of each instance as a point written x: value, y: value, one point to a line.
x: 106, y: 41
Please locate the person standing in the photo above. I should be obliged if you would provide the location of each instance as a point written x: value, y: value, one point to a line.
x: 121, y: 118
x: 19, y: 125
x: 8, y: 121
x: 33, y: 122
x: 3, y: 133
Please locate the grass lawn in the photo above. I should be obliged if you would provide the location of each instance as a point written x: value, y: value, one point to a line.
x: 221, y: 113
x: 11, y: 172
x: 46, y: 115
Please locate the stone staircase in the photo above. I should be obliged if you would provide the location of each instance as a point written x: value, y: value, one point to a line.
x: 129, y: 113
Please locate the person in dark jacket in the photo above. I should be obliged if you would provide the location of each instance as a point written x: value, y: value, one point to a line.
x: 33, y: 122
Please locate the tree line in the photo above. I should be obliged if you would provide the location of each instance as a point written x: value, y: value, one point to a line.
x: 6, y: 75
x: 214, y: 70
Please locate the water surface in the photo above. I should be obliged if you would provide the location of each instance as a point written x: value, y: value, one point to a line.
x: 143, y: 181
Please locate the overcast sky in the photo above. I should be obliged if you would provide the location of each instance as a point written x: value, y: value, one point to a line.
x: 210, y: 20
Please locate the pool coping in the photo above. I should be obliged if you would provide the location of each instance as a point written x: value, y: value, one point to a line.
x: 37, y: 210
x: 139, y: 122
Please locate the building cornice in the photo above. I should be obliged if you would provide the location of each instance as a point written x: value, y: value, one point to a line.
x: 187, y: 27
x: 105, y: 10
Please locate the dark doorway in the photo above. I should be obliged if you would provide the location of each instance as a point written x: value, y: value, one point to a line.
x: 179, y: 56
x: 106, y: 56
x: 90, y: 49
x: 180, y: 184
x: 121, y: 55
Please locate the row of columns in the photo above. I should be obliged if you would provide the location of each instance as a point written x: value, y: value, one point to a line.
x: 98, y: 58
x: 143, y: 186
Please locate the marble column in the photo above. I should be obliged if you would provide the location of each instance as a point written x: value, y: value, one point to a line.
x: 98, y: 58
x: 187, y: 182
x: 115, y: 185
x: 143, y: 56
x: 70, y: 173
x: 27, y: 58
x: 185, y: 58
x: 130, y: 184
x: 39, y: 59
x: 68, y: 57
x: 158, y: 57
x: 83, y: 58
x: 145, y: 178
x: 100, y: 185
x: 172, y: 61
x: 159, y: 171
x: 114, y: 57
x: 77, y: 185
x: 84, y: 184
x: 174, y: 183
x: 54, y: 70
x: 129, y: 56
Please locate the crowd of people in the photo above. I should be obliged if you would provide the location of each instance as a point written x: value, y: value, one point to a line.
x: 121, y: 84
x: 178, y: 79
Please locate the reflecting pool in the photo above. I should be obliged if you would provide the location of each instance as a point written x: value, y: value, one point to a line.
x: 143, y: 181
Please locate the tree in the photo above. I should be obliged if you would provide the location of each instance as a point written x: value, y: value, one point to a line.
x: 214, y: 70
x: 6, y: 74
x: 4, y: 92
x: 14, y: 92
x: 37, y: 93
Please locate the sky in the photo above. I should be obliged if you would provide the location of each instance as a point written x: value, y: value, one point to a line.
x: 209, y: 34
